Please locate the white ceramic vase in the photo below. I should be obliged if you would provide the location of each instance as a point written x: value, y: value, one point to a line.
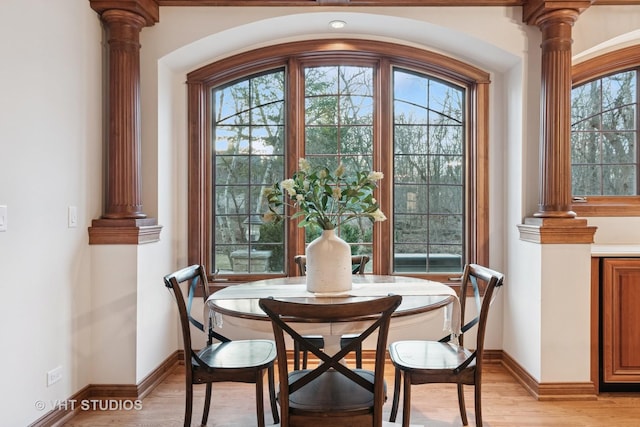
x: 328, y: 264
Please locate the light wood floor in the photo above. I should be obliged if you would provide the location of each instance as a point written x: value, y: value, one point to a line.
x: 504, y: 403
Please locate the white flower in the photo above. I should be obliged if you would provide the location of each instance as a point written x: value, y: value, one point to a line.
x: 336, y: 193
x: 375, y: 176
x: 304, y: 165
x: 288, y: 185
x: 300, y: 197
x: 378, y: 216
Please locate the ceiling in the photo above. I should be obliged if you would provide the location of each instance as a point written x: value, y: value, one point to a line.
x: 261, y: 3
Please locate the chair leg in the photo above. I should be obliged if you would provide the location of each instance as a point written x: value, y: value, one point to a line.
x: 478, y: 405
x: 272, y: 394
x: 188, y: 404
x: 259, y: 399
x: 463, y: 411
x: 207, y: 404
x: 305, y: 358
x: 406, y: 402
x: 359, y: 357
x: 396, y: 396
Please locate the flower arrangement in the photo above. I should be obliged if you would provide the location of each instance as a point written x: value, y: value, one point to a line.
x: 323, y: 197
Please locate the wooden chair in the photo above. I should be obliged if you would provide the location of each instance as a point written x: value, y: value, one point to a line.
x: 447, y: 361
x: 359, y: 263
x: 331, y: 394
x: 238, y: 361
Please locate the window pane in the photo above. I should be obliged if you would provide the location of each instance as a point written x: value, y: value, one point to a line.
x: 356, y: 110
x: 356, y: 139
x: 619, y: 180
x: 586, y: 180
x: 429, y: 178
x: 585, y: 148
x: 619, y: 147
x: 604, y: 156
x: 248, y: 149
x: 321, y: 140
x: 339, y: 129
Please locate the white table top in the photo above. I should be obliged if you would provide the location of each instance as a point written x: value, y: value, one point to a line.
x: 419, y: 296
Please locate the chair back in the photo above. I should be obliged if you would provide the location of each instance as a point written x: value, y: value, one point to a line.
x: 192, y: 279
x: 479, y: 278
x: 358, y: 263
x: 287, y: 317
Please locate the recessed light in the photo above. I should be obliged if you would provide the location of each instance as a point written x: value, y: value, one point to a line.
x: 337, y: 24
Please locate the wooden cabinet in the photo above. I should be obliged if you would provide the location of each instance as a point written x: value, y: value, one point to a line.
x: 620, y: 323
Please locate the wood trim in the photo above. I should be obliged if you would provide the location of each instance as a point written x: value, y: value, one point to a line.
x: 441, y: 65
x: 148, y: 9
x: 535, y: 10
x: 557, y: 230
x: 480, y: 173
x: 608, y: 206
x: 111, y: 392
x: 124, y: 231
x: 198, y: 194
x: 548, y: 391
x: 608, y: 63
x: 595, y: 323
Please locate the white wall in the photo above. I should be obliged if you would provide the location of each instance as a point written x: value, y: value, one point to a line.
x: 50, y: 158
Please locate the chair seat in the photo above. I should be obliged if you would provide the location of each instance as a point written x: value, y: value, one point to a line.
x: 431, y: 355
x: 331, y: 391
x: 239, y: 354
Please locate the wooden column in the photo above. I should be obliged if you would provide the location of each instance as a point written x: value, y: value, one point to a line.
x: 123, y: 221
x: 555, y: 222
x: 555, y: 151
x: 124, y: 181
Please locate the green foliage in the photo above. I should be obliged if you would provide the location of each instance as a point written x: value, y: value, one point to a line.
x: 272, y: 233
x: 323, y: 197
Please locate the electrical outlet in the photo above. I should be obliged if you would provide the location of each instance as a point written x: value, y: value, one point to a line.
x: 54, y: 375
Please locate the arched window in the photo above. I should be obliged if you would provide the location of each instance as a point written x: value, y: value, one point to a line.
x: 418, y: 117
x: 604, y: 135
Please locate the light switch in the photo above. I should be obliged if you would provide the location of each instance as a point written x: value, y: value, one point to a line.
x: 73, y: 217
x: 3, y: 218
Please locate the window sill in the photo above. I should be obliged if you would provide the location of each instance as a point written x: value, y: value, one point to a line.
x: 608, y: 207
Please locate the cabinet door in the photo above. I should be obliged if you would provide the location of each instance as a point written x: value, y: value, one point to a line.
x: 621, y: 320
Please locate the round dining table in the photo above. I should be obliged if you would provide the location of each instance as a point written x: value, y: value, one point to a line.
x: 237, y: 305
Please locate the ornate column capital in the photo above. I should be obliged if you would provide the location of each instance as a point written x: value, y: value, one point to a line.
x: 535, y: 12
x: 149, y: 10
